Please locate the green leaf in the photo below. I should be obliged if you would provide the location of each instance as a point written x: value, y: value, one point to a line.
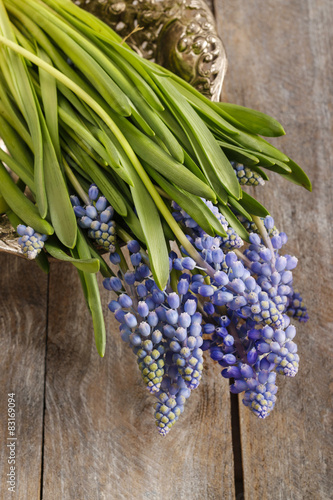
x: 83, y: 54
x: 105, y: 270
x: 297, y: 175
x: 28, y: 106
x: 43, y: 262
x: 87, y: 265
x: 255, y: 121
x: 60, y: 207
x: 192, y: 205
x: 152, y: 228
x: 92, y: 295
x: 100, y: 179
x: 238, y: 154
x: 18, y: 169
x: 234, y: 222
x: 202, y: 141
x: 239, y: 207
x: 48, y: 87
x: 253, y: 206
x: 21, y: 205
x: 161, y: 161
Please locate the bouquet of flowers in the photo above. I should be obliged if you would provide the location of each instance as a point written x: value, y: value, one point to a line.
x: 108, y: 152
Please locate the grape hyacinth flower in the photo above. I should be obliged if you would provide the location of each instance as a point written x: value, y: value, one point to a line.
x: 246, y: 176
x: 30, y: 241
x: 97, y: 218
x: 235, y: 304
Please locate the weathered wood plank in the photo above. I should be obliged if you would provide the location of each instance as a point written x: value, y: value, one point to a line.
x: 281, y: 62
x: 23, y: 299
x: 100, y: 437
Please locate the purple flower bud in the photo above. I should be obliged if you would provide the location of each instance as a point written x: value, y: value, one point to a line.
x: 224, y: 321
x: 182, y: 286
x: 91, y: 211
x: 267, y: 332
x: 169, y: 331
x: 135, y: 259
x: 269, y: 222
x: 228, y: 340
x: 217, y: 256
x: 280, y: 336
x: 79, y: 211
x: 222, y: 298
x: 238, y: 387
x: 254, y: 334
x: 74, y: 200
x: 276, y: 242
x: 141, y: 290
x: 93, y: 192
x: 290, y: 332
x: 85, y: 222
x: 207, y: 242
x: 177, y: 264
x: 124, y: 300
x: 263, y: 347
x: 231, y: 372
x: 144, y: 329
x: 246, y: 370
x: 120, y: 315
x: 114, y: 258
x: 263, y: 376
x: 206, y: 290
x: 184, y: 320
x: 156, y: 336
x: 173, y: 300
x: 208, y: 328
x: 115, y: 284
x: 209, y: 308
x: 129, y: 277
x: 114, y: 306
x: 216, y: 354
x: 144, y: 271
x: 287, y: 277
x: 221, y: 278
x: 254, y: 239
x: 181, y: 334
x: 143, y: 309
x: 190, y: 307
x: 135, y: 339
x: 171, y: 316
x: 284, y: 238
x: 230, y: 258
x: 152, y: 319
x: 291, y: 262
x: 188, y: 263
x: 101, y: 205
x: 252, y: 356
x: 130, y: 320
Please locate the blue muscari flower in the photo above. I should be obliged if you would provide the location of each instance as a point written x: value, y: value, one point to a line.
x: 296, y: 308
x: 97, y: 218
x: 30, y: 241
x: 246, y: 176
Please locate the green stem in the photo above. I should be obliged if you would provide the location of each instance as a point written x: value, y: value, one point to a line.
x: 75, y: 183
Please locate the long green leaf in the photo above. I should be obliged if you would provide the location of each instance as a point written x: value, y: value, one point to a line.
x: 193, y: 205
x: 297, y: 175
x: 217, y: 162
x: 253, y: 206
x: 255, y: 121
x: 28, y: 105
x: 87, y: 265
x: 61, y: 210
x: 92, y: 295
x: 21, y: 205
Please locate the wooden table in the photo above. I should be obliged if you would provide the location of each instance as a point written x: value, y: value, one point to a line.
x: 84, y: 424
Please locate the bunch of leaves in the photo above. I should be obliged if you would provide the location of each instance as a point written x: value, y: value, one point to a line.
x: 79, y: 106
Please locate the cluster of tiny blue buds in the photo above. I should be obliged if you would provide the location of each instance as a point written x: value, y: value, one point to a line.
x: 96, y: 217
x: 246, y: 176
x: 30, y: 241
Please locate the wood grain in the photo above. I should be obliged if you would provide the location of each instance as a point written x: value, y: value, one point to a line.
x: 280, y: 62
x: 100, y: 437
x: 23, y: 299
